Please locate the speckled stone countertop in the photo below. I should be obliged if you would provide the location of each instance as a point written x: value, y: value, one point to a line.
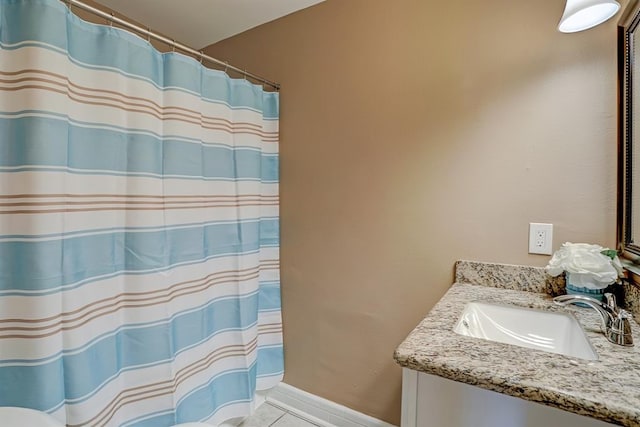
x: 607, y: 389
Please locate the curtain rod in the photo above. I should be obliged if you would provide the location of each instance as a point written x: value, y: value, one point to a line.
x: 151, y: 34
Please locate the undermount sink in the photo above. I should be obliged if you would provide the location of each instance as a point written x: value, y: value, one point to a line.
x: 541, y: 330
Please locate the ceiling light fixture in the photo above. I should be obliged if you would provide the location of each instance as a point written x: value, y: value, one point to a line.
x: 581, y: 15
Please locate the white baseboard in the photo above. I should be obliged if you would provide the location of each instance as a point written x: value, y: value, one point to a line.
x: 319, y: 411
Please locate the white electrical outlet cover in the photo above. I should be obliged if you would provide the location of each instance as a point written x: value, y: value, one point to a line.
x: 540, y: 238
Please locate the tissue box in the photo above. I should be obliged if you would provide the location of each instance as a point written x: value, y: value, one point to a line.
x: 582, y: 284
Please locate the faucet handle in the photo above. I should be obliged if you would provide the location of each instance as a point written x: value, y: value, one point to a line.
x: 619, y: 331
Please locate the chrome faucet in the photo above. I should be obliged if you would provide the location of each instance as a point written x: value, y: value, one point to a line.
x: 615, y: 321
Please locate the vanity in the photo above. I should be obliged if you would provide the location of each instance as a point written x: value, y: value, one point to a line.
x: 453, y: 380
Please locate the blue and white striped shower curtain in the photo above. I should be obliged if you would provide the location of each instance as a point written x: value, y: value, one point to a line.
x: 139, y: 228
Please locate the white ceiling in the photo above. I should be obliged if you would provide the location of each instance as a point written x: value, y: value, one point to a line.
x: 199, y: 23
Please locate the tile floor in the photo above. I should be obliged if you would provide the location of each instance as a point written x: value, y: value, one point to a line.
x: 268, y: 415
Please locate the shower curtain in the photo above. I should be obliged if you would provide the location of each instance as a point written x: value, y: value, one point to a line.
x: 139, y: 228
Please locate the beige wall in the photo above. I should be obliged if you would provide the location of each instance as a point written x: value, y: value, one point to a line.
x: 415, y: 133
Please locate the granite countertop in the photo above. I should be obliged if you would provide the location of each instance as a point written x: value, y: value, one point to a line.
x: 607, y: 389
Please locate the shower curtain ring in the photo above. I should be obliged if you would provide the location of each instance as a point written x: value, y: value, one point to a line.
x: 173, y: 42
x: 201, y: 56
x: 148, y: 35
x: 245, y: 74
x: 111, y: 20
x: 226, y: 66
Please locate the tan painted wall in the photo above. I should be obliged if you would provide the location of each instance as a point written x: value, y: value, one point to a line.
x: 415, y: 133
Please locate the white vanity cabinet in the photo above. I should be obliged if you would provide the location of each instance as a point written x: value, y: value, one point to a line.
x: 432, y: 401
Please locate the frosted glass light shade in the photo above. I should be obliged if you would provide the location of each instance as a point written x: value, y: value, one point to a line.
x: 583, y: 14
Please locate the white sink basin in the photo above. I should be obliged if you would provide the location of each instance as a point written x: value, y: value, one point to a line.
x: 541, y: 330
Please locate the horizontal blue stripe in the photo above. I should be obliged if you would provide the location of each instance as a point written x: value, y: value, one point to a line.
x: 239, y: 385
x: 170, y: 418
x: 269, y: 297
x: 70, y: 351
x: 163, y: 269
x: 51, y: 264
x: 270, y: 360
x: 269, y: 232
x: 79, y: 376
x: 105, y: 46
x: 134, y: 229
x: 36, y: 141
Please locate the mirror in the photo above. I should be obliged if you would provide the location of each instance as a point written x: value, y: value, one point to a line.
x: 629, y: 182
